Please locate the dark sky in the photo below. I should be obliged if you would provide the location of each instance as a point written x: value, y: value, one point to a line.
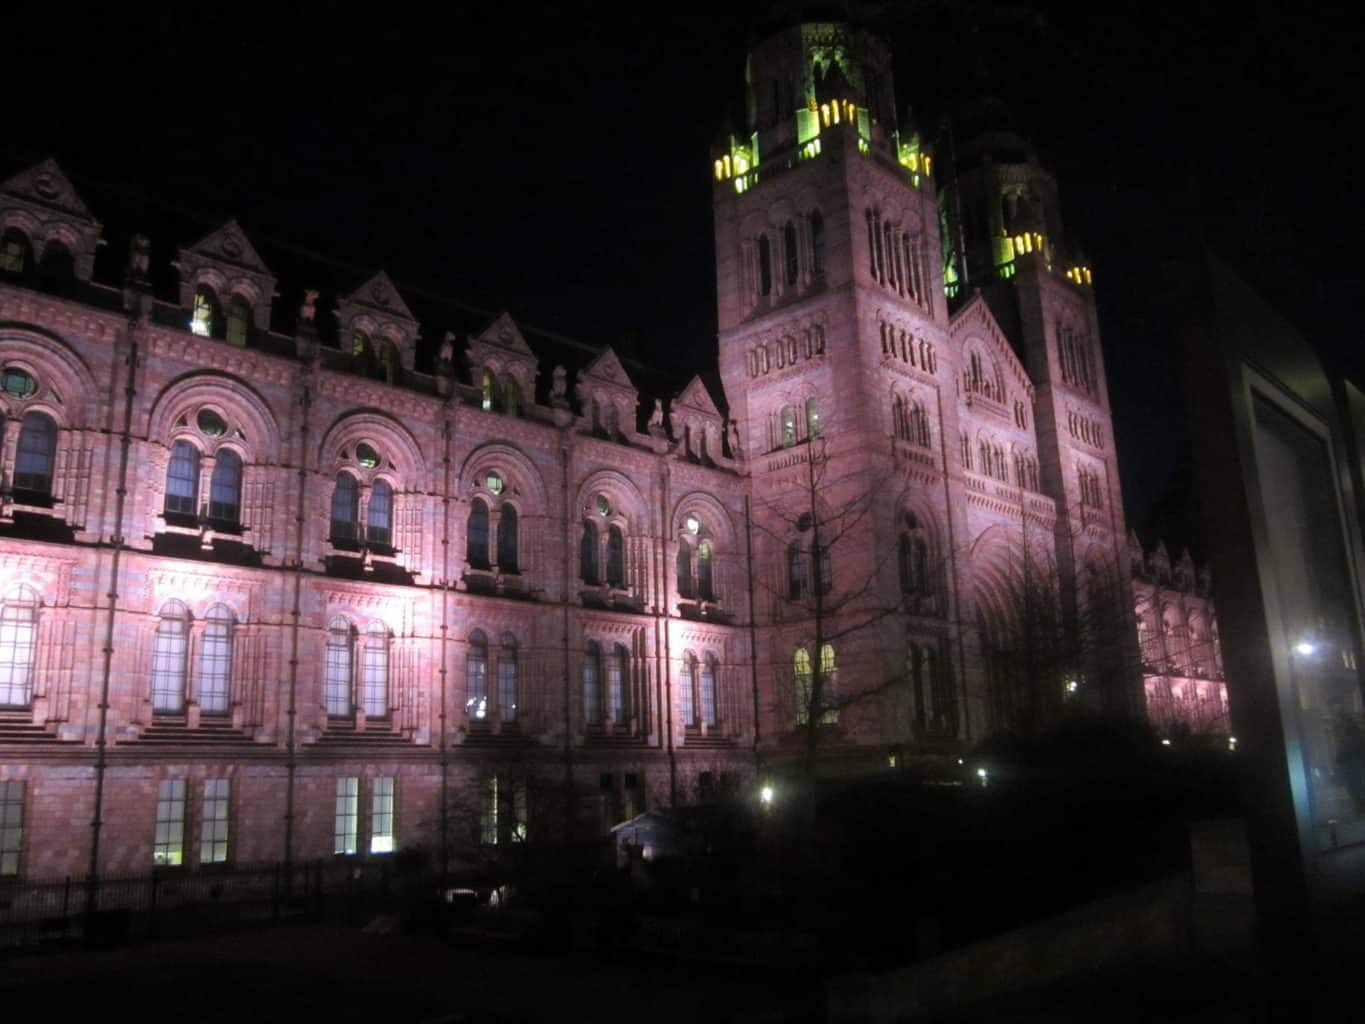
x: 556, y: 162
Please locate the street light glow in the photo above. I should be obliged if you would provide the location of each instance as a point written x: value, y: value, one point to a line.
x: 766, y: 795
x: 1303, y: 647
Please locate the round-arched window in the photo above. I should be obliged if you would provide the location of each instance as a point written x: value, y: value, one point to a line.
x: 692, y: 525
x: 17, y: 382
x: 494, y: 482
x: 603, y: 505
x: 366, y: 455
x: 210, y: 423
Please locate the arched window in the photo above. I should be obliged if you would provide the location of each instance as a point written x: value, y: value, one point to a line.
x: 685, y: 587
x: 587, y: 555
x: 798, y: 572
x: 345, y: 509
x: 507, y: 540
x: 488, y: 387
x: 337, y: 670
x: 708, y: 691
x: 511, y: 395
x: 18, y: 640
x: 817, y: 243
x: 476, y: 678
x: 391, y: 364
x: 905, y: 562
x: 706, y: 587
x: 215, y: 660
x: 374, y: 681
x: 57, y: 269
x: 36, y: 453
x: 788, y: 433
x: 829, y: 685
x: 801, y: 678
x: 616, y: 558
x: 182, y: 480
x: 618, y: 686
x: 789, y: 252
x: 238, y: 321
x: 507, y: 679
x: 812, y: 419
x: 824, y: 572
x: 204, y: 319
x: 765, y: 266
x: 169, y: 650
x: 379, y: 516
x: 16, y: 254
x: 225, y: 487
x: 592, y: 684
x: 687, y: 689
x: 476, y: 546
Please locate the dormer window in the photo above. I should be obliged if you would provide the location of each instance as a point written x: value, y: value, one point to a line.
x: 238, y: 321
x: 15, y: 252
x: 204, y: 319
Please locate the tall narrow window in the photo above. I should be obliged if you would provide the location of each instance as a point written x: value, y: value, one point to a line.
x: 817, y: 243
x: 379, y: 516
x: 168, y: 659
x: 685, y: 588
x: 204, y: 318
x: 788, y: 433
x: 687, y: 689
x: 798, y: 572
x: 35, y: 455
x: 507, y: 679
x: 182, y: 480
x: 789, y: 254
x: 829, y: 688
x: 11, y: 826
x: 476, y: 548
x: 488, y: 811
x: 511, y: 396
x: 765, y: 266
x: 15, y: 252
x: 390, y: 362
x: 381, y: 815
x: 824, y: 573
x: 57, y: 269
x: 592, y: 684
x: 346, y: 816
x: 238, y: 321
x: 213, y: 831
x: 618, y: 686
x: 587, y: 555
x: 706, y: 585
x: 507, y: 540
x: 488, y: 385
x: 18, y: 636
x: 225, y: 487
x: 616, y: 558
x: 168, y: 847
x: 708, y: 691
x: 374, y: 692
x: 812, y: 419
x: 801, y: 677
x: 337, y: 672
x: 905, y: 562
x: 345, y: 509
x: 476, y: 678
x: 215, y: 661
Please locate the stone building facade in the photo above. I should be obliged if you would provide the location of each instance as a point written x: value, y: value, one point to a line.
x: 287, y: 579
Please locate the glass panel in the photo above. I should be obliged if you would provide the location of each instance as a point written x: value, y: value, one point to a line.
x: 507, y: 685
x: 168, y: 661
x: 182, y: 479
x: 37, y: 449
x: 477, y: 537
x: 225, y: 487
x: 476, y: 680
x: 381, y: 816
x: 378, y: 529
x: 346, y: 819
x: 507, y: 539
x: 215, y: 661
x: 168, y: 847
x: 213, y: 836
x: 592, y: 688
x: 345, y: 508
x: 708, y: 692
x: 11, y: 825
x: 337, y: 670
x: 18, y: 632
x: 374, y: 697
x: 686, y: 690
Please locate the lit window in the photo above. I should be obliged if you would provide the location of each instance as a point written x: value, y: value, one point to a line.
x: 488, y: 388
x: 346, y: 819
x: 801, y: 676
x: 618, y: 692
x: 168, y: 659
x: 381, y: 816
x: 692, y: 524
x: 488, y: 811
x: 11, y: 826
x: 829, y: 676
x: 511, y: 396
x: 169, y: 846
x: 476, y: 678
x: 18, y: 636
x: 812, y: 419
x: 213, y: 834
x: 182, y: 479
x: 337, y: 669
x: 493, y: 482
x: 238, y: 321
x: 374, y: 694
x: 708, y: 691
x: 215, y: 660
x: 788, y: 428
x: 603, y: 505
x: 507, y: 679
x: 366, y: 455
x: 202, y: 320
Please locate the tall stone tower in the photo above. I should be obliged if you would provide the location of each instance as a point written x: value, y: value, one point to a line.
x: 1004, y: 237
x: 833, y: 352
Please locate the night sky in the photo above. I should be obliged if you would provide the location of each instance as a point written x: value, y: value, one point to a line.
x: 556, y: 163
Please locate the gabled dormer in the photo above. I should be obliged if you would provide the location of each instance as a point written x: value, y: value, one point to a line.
x: 606, y: 397
x: 696, y: 424
x: 991, y: 374
x: 377, y: 330
x: 226, y: 289
x: 46, y: 231
x: 502, y: 366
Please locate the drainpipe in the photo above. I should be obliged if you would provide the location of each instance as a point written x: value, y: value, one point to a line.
x: 952, y: 575
x: 753, y: 626
x: 443, y: 742
x: 571, y: 808
x: 296, y: 613
x: 117, y: 542
x: 667, y: 709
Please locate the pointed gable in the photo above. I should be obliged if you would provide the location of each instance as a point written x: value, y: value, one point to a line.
x: 376, y: 311
x: 41, y: 203
x: 226, y: 262
x: 607, y: 396
x: 696, y: 422
x: 500, y: 349
x: 974, y: 325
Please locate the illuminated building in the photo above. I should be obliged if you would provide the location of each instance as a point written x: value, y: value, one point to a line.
x: 283, y: 573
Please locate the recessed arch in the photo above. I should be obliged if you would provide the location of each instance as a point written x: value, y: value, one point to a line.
x: 393, y: 441
x: 184, y: 397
